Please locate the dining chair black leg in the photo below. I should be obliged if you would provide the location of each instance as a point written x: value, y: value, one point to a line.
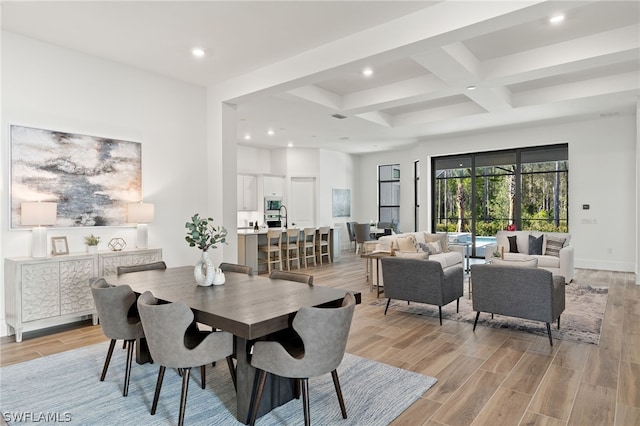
x: 262, y: 378
x: 156, y: 395
x: 387, y: 307
x: 336, y: 384
x: 183, y: 395
x: 124, y: 344
x: 127, y: 373
x: 305, y: 402
x: 440, y: 313
x: 203, y: 377
x: 232, y: 371
x: 108, y: 359
x: 297, y: 389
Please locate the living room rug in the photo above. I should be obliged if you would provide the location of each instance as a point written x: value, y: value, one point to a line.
x: 581, y: 320
x: 66, y: 387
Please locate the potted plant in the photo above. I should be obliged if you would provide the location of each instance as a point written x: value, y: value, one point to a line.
x: 92, y: 243
x: 202, y: 234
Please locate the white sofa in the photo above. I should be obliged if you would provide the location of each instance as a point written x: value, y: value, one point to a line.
x: 450, y: 256
x: 558, y: 265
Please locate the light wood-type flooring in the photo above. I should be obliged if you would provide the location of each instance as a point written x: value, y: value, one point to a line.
x: 490, y: 377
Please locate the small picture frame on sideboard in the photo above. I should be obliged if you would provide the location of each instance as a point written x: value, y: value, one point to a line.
x: 59, y: 246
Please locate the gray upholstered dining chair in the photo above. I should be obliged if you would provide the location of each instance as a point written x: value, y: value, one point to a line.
x: 113, y: 304
x: 234, y: 267
x: 363, y: 234
x: 324, y: 333
x: 352, y: 234
x: 172, y: 345
x: 144, y: 267
x: 292, y: 276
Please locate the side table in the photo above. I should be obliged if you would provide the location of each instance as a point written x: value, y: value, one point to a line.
x: 376, y: 256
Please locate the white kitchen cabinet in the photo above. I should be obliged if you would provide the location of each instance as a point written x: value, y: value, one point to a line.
x: 247, y: 193
x: 273, y: 186
x: 41, y: 293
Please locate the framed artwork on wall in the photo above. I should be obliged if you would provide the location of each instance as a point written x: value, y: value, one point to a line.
x: 92, y: 179
x: 341, y: 202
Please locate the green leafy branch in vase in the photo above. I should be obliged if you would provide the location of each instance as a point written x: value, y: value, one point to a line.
x: 202, y: 234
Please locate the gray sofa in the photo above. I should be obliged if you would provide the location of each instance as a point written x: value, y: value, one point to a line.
x: 423, y: 281
x: 517, y: 291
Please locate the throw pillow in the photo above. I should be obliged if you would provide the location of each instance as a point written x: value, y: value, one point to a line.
x: 412, y: 255
x: 532, y: 263
x: 535, y: 244
x: 442, y: 237
x: 423, y: 247
x: 406, y: 243
x: 554, y: 244
x: 435, y: 247
x: 513, y: 244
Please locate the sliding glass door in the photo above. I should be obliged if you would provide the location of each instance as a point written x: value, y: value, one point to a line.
x: 475, y: 195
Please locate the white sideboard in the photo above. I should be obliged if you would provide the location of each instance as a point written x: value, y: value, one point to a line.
x: 41, y: 293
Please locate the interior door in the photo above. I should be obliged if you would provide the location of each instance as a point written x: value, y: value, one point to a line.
x: 302, y: 203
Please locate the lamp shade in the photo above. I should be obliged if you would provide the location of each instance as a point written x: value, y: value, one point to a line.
x: 141, y: 212
x: 38, y: 213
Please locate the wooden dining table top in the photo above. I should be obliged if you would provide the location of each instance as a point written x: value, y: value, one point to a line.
x: 246, y: 306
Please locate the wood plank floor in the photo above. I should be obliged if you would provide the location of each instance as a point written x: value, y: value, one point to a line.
x: 490, y: 377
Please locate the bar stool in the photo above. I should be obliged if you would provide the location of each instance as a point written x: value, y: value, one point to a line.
x: 292, y: 247
x: 323, y: 244
x: 308, y: 245
x: 272, y: 249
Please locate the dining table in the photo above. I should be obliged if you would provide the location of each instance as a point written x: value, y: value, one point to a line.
x: 249, y: 307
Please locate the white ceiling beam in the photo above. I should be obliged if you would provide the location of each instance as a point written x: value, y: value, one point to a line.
x: 437, y: 114
x: 376, y: 117
x: 621, y: 83
x: 453, y: 63
x: 318, y: 95
x: 600, y: 49
x: 394, y: 94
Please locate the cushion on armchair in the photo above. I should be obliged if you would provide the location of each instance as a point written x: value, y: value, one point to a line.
x: 412, y: 254
x: 442, y: 238
x: 406, y: 243
x: 553, y: 246
x: 531, y: 263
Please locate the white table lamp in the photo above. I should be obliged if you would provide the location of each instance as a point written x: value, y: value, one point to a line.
x: 38, y: 214
x: 141, y: 214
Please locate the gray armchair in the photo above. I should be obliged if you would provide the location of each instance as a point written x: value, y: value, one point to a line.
x: 172, y: 344
x: 422, y: 281
x: 324, y: 333
x: 113, y: 305
x: 518, y: 291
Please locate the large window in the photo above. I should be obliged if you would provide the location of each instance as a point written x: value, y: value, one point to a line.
x: 476, y: 195
x: 389, y: 194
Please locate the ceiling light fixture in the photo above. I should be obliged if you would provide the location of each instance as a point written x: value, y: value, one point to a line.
x: 471, y: 87
x: 270, y: 132
x: 556, y: 19
x: 247, y: 137
x: 198, y: 52
x: 290, y: 144
x: 367, y: 72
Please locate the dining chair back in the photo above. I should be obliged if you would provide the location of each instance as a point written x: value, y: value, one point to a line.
x: 323, y: 244
x: 324, y: 333
x: 308, y: 245
x: 363, y: 234
x: 171, y: 344
x: 234, y: 267
x: 292, y: 276
x: 113, y: 304
x: 144, y: 267
x: 352, y: 234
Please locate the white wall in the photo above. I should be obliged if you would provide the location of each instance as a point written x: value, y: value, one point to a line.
x: 602, y: 173
x: 54, y: 88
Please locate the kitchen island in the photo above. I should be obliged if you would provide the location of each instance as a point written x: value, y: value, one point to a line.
x: 248, y: 241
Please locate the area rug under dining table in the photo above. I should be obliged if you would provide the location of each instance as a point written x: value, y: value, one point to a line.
x: 66, y: 387
x: 580, y: 322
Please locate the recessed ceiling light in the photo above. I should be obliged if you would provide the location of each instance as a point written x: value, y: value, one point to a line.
x: 556, y: 19
x: 247, y: 137
x: 367, y: 72
x: 471, y: 87
x: 198, y: 52
x: 290, y: 144
x: 270, y: 132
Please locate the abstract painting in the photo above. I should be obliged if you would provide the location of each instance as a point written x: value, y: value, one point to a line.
x: 341, y: 202
x: 92, y: 179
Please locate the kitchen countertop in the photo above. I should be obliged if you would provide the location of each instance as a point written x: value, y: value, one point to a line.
x: 262, y: 231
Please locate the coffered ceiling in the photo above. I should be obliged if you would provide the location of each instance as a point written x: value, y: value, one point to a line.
x: 425, y: 58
